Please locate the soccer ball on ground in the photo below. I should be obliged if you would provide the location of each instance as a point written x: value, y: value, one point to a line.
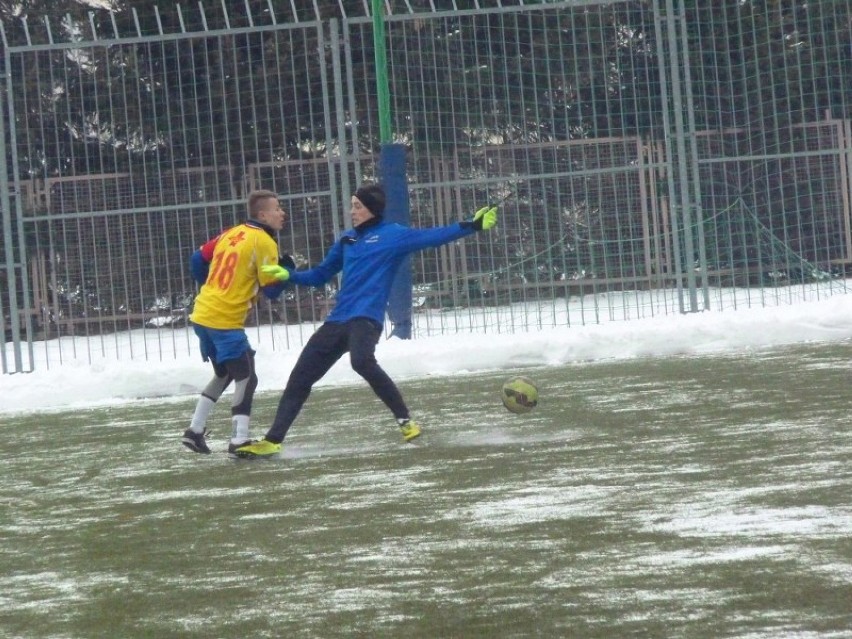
x: 519, y: 395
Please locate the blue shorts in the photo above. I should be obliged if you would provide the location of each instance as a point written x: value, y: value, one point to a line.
x: 221, y: 345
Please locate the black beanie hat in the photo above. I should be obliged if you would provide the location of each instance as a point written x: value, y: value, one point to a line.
x: 373, y: 197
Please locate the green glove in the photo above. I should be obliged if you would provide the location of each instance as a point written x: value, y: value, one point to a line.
x: 485, y: 218
x: 278, y: 272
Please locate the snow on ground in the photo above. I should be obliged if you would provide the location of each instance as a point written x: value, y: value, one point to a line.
x: 150, y: 363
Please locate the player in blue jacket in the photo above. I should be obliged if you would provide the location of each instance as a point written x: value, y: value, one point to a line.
x: 368, y: 255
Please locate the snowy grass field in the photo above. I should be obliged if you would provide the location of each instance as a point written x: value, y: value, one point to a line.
x: 698, y: 496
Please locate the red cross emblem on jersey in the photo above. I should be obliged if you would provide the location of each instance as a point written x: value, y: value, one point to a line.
x: 236, y: 239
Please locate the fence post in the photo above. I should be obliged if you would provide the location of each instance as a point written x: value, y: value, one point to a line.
x: 9, y: 265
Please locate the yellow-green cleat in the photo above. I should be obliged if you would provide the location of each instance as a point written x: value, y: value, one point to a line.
x: 255, y: 450
x: 410, y: 430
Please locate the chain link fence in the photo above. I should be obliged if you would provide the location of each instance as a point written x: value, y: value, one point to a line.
x: 630, y: 152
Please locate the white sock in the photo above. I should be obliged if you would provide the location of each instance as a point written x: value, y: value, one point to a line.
x: 240, y: 430
x: 202, y: 412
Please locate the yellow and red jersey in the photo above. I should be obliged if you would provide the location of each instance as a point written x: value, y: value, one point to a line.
x: 234, y: 279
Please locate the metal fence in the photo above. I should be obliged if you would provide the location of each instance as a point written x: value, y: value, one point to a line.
x: 627, y: 159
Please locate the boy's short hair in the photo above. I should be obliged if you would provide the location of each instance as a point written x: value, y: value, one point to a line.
x: 256, y: 199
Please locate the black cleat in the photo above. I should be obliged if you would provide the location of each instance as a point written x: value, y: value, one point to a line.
x: 196, y: 442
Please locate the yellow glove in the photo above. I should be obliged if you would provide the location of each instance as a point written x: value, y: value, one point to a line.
x: 485, y: 218
x: 278, y: 272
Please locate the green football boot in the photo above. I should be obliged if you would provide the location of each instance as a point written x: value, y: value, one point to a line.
x: 410, y: 430
x: 256, y: 450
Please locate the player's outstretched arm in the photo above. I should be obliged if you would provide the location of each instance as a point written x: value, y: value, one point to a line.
x: 417, y: 239
x: 316, y: 276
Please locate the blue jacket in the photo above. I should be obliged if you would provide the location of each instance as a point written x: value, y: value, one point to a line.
x: 369, y: 259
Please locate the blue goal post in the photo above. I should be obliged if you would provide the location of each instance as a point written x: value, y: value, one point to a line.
x: 397, y: 209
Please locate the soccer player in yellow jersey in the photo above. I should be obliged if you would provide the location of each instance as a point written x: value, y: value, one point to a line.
x: 229, y: 269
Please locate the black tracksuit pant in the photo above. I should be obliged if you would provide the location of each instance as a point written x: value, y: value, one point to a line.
x: 359, y: 337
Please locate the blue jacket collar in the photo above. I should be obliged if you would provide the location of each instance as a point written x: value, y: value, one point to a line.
x: 373, y: 221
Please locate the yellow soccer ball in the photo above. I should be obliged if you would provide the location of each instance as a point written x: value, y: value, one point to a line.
x: 519, y: 395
